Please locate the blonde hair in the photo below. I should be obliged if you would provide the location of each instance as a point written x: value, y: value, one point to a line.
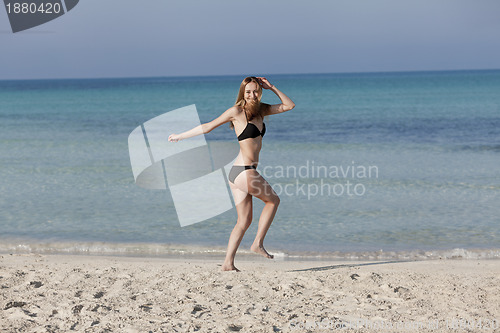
x: 250, y: 113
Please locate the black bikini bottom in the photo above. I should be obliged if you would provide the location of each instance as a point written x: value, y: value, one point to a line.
x: 237, y: 169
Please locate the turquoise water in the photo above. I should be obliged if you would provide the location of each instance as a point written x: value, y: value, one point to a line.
x: 430, y: 139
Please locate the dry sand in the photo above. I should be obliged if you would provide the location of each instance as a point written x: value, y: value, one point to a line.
x: 118, y: 294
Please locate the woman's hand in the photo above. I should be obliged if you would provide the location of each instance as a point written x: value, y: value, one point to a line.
x: 174, y: 137
x: 265, y: 83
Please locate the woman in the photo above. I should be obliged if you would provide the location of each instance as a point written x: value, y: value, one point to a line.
x: 247, y: 119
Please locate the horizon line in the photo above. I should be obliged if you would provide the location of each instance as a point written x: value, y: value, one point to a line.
x: 270, y: 74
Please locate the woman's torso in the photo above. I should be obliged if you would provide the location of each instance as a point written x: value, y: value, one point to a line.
x: 250, y: 146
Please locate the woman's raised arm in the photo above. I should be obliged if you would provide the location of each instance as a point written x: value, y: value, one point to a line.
x: 227, y: 116
x: 286, y: 103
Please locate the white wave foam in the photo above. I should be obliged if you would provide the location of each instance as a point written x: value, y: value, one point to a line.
x: 168, y: 250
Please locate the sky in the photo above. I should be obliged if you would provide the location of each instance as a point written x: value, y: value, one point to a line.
x: 125, y: 38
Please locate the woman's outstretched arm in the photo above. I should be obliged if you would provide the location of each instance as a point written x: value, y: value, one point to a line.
x: 227, y: 116
x: 286, y: 103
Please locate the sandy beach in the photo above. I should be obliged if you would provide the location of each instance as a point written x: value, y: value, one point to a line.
x: 60, y: 293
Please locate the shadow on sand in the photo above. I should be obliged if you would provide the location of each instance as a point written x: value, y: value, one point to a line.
x: 325, y: 268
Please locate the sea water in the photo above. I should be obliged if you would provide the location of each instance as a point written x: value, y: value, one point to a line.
x: 367, y: 165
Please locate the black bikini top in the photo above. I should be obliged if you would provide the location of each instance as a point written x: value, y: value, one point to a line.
x: 251, y: 131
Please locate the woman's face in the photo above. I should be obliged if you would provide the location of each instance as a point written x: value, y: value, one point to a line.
x: 251, y: 92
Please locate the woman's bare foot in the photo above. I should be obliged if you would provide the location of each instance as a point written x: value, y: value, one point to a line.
x: 260, y: 250
x: 229, y: 267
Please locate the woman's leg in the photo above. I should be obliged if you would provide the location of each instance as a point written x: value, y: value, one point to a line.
x: 257, y: 186
x: 244, y: 210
